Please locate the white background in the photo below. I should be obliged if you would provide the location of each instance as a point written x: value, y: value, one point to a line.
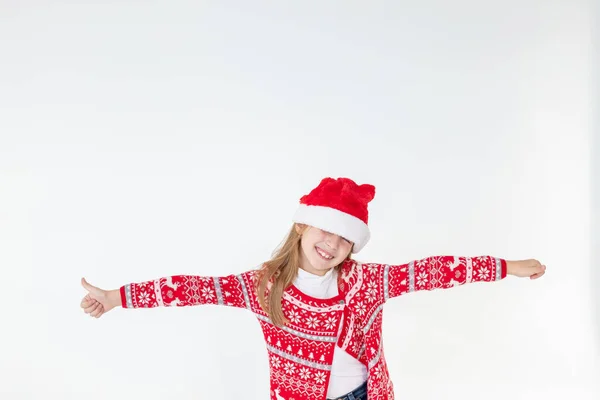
x: 145, y: 139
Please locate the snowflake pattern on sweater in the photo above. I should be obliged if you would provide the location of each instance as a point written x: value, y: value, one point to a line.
x: 301, y: 352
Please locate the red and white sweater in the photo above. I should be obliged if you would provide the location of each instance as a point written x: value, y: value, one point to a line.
x: 301, y: 352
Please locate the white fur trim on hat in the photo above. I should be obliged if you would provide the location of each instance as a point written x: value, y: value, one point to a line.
x: 334, y: 221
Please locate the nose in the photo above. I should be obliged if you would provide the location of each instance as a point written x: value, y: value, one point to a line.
x: 333, y: 240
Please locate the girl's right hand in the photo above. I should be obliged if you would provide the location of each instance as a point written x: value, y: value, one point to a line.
x: 98, y: 302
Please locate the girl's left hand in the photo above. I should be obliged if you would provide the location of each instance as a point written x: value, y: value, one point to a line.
x: 525, y: 268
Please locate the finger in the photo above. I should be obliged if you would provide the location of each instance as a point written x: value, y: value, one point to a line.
x: 538, y: 275
x: 84, y: 303
x: 92, y: 308
x: 536, y: 269
x: 90, y: 288
x: 541, y: 269
x: 85, y: 284
x: 96, y: 313
x: 535, y: 272
x: 541, y: 274
x: 87, y: 301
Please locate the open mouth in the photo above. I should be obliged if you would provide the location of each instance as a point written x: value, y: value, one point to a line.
x: 323, y: 254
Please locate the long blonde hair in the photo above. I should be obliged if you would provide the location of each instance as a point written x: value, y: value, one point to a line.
x: 281, y: 270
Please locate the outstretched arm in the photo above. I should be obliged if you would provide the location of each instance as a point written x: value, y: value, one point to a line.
x: 442, y: 272
x: 177, y: 290
x: 188, y: 290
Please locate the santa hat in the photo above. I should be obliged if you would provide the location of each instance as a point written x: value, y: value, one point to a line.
x: 338, y: 206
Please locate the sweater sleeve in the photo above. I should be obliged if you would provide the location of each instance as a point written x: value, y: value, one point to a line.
x: 439, y: 272
x: 189, y: 290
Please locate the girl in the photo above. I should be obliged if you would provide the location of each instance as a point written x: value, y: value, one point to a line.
x: 320, y: 311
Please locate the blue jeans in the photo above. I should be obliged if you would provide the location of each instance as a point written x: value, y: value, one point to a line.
x: 360, y: 393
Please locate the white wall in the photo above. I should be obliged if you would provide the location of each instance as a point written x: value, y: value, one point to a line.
x: 595, y: 175
x: 142, y: 140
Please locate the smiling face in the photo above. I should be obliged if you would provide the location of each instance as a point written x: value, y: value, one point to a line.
x: 321, y: 250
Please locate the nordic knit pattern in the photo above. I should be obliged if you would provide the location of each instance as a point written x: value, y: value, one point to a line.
x: 301, y: 352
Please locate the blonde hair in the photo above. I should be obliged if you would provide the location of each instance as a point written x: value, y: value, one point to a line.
x: 281, y: 270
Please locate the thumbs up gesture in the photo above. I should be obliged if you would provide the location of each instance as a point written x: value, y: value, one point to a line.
x: 98, y: 301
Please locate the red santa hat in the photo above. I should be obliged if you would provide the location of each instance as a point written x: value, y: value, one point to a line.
x: 338, y: 206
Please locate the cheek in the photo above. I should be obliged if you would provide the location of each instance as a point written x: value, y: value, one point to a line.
x: 307, y: 245
x: 346, y: 249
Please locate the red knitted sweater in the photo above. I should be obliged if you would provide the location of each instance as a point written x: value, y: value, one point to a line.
x: 301, y: 352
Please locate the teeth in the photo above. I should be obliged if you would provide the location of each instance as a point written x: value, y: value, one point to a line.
x: 323, y: 254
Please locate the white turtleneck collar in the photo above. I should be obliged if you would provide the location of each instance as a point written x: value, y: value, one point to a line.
x: 320, y: 287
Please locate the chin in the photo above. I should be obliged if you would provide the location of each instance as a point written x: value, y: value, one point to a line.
x: 324, y: 265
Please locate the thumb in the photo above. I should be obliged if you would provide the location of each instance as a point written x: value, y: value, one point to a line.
x: 90, y: 288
